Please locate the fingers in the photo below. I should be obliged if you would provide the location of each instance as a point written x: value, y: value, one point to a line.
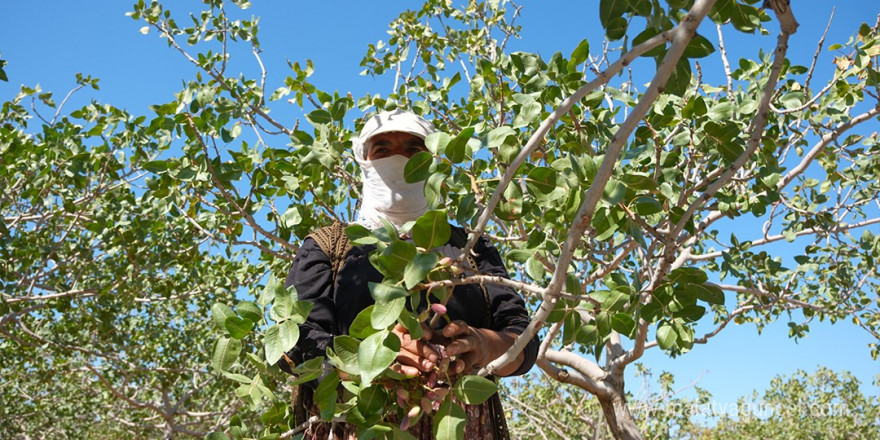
x: 427, y: 333
x: 470, y: 346
x: 406, y: 370
x: 415, y: 355
x: 456, y: 329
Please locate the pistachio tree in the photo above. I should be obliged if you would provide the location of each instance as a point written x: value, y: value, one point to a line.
x: 141, y: 253
x: 824, y: 403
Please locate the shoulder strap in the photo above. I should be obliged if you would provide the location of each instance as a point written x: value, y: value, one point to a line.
x: 334, y: 243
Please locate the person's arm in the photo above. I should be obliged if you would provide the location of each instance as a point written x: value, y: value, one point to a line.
x: 479, y: 346
x: 311, y: 275
x: 476, y: 347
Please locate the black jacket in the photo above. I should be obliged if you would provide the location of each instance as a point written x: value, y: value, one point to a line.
x: 335, y: 307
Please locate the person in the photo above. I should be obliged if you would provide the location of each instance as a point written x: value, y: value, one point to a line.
x: 485, y: 319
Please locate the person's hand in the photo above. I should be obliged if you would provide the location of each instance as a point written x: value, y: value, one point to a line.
x: 470, y: 344
x: 476, y: 347
x: 416, y: 355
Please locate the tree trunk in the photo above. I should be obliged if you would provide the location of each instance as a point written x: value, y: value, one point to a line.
x: 617, y: 413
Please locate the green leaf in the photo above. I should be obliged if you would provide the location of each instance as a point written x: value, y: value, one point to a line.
x: 326, y: 394
x: 433, y: 190
x: 456, y: 149
x: 288, y: 335
x: 693, y: 275
x: 499, y: 136
x: 640, y: 7
x: 254, y: 390
x: 396, y: 256
x: 362, y: 327
x: 383, y: 293
x: 527, y: 114
x: 319, y: 116
x: 699, y: 47
x: 272, y: 344
x: 792, y: 99
x: 646, y: 205
x: 282, y: 304
x: 220, y: 312
x: 308, y: 370
x: 347, y: 348
x: 474, y: 390
x: 580, y: 55
x: 300, y: 311
x: 722, y: 111
x: 418, y: 269
x: 238, y: 327
x: 376, y: 353
x: 695, y: 107
x: 614, y: 191
x: 268, y: 294
x: 691, y: 313
x: 707, y: 293
x: 587, y: 335
x: 623, y: 323
x: 418, y: 167
x: 609, y: 10
x: 358, y: 234
x: 291, y: 217
x: 666, y: 335
x: 409, y: 321
x: 616, y: 28
x: 431, y: 230
x: 724, y: 138
x: 511, y: 208
x: 215, y: 435
x: 249, y: 310
x: 338, y: 109
x: 240, y: 378
x: 639, y: 181
x: 610, y: 299
x: 226, y: 351
x: 386, y: 313
x: 542, y: 179
x: 680, y: 78
x: 449, y: 421
x: 646, y: 35
x: 437, y: 142
x: 371, y: 400
x: 535, y: 269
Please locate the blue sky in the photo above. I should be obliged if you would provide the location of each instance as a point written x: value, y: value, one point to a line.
x: 48, y: 42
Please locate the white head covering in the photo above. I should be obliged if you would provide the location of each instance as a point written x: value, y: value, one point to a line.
x: 385, y: 192
x: 386, y: 122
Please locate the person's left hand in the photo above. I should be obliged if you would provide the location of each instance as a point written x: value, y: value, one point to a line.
x: 476, y: 347
x: 469, y: 344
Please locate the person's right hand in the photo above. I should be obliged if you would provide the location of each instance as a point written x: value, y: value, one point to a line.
x: 416, y: 355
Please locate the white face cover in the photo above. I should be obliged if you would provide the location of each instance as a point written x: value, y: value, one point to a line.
x: 387, y: 195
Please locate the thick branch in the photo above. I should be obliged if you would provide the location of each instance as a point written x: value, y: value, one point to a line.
x: 586, y: 375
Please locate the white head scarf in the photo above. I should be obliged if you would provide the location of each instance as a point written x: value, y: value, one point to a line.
x: 385, y: 192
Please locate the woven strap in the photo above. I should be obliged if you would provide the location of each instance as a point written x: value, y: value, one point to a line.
x: 334, y: 243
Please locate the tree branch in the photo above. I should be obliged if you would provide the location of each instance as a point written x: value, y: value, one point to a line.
x: 538, y: 136
x: 773, y: 238
x: 682, y: 35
